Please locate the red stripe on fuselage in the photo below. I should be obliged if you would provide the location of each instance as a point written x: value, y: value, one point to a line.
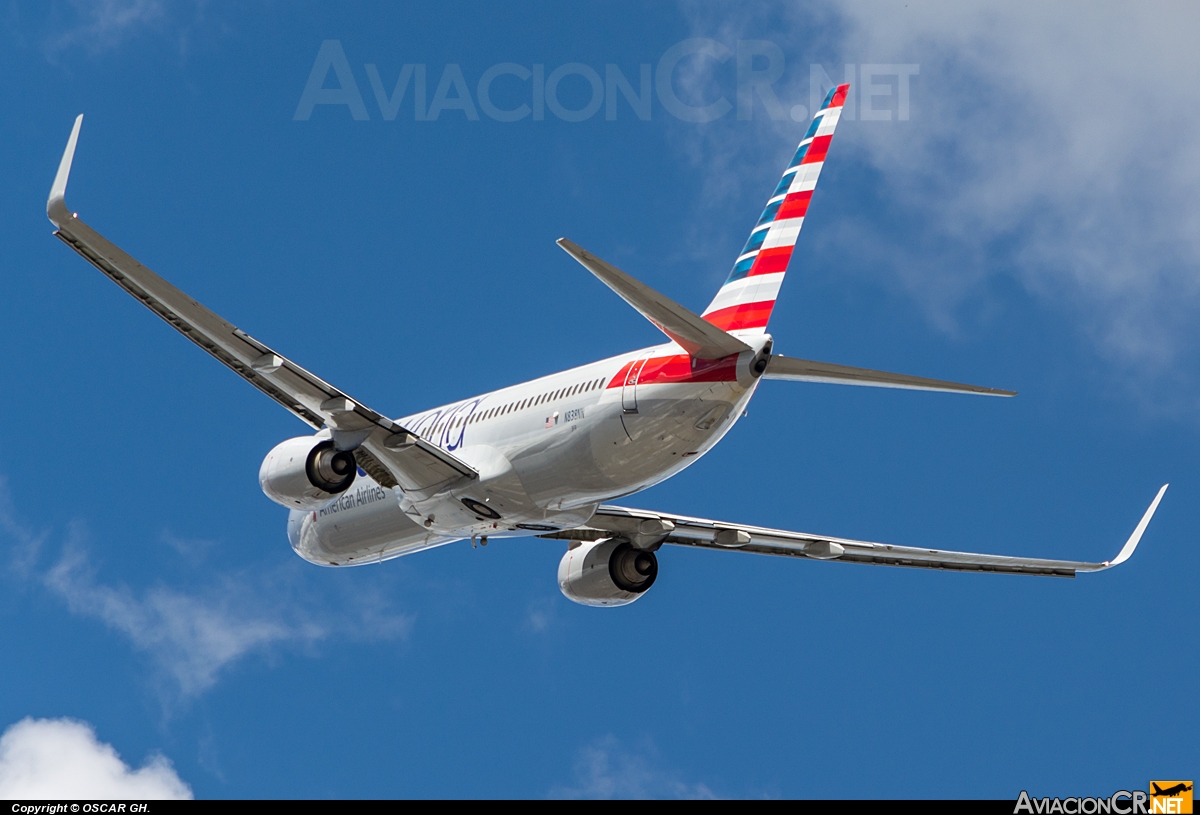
x: 743, y: 315
x: 680, y: 368
x: 619, y: 380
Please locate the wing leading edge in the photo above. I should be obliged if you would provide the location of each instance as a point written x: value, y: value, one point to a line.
x: 649, y: 529
x: 388, y: 452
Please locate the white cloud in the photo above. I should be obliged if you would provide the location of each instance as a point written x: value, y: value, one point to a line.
x: 1077, y: 136
x: 1050, y: 145
x: 606, y: 769
x: 540, y: 615
x: 95, y: 27
x: 193, y: 636
x: 24, y: 543
x: 194, y: 549
x: 62, y: 758
x: 99, y: 25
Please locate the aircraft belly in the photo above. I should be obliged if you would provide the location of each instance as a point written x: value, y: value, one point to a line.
x: 599, y: 458
x: 364, y: 525
x: 559, y: 468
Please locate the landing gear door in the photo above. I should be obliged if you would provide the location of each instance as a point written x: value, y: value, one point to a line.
x: 629, y: 387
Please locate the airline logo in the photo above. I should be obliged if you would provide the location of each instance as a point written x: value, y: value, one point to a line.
x: 1174, y: 797
x: 748, y: 296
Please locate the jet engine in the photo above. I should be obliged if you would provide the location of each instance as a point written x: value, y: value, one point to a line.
x: 606, y: 573
x: 306, y: 473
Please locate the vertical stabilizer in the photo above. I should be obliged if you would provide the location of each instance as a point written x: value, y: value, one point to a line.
x: 744, y: 303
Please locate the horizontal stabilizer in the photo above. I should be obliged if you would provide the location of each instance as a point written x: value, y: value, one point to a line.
x: 804, y: 370
x: 700, y: 338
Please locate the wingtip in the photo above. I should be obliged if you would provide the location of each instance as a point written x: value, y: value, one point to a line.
x: 575, y: 250
x: 1132, y: 544
x: 56, y: 207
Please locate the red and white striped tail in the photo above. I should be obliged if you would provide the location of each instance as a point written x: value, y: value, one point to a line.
x: 744, y: 303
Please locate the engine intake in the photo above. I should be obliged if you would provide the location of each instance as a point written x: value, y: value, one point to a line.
x: 306, y: 473
x: 606, y: 573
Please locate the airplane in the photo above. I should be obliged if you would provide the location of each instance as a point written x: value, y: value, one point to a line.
x: 1170, y: 792
x: 545, y: 457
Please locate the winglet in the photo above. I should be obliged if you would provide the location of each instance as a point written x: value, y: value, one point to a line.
x: 56, y: 208
x: 1131, y: 544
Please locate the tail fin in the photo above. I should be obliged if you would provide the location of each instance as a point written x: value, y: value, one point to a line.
x: 744, y: 303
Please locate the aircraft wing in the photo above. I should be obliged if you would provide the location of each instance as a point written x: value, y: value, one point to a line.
x: 389, y: 453
x: 647, y: 528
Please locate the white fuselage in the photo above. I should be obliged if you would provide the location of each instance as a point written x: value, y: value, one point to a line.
x: 548, y: 452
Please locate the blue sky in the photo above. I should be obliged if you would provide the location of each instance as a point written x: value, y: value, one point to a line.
x: 1028, y: 225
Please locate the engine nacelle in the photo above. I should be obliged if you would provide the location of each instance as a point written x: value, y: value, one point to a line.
x: 606, y: 573
x: 306, y: 473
